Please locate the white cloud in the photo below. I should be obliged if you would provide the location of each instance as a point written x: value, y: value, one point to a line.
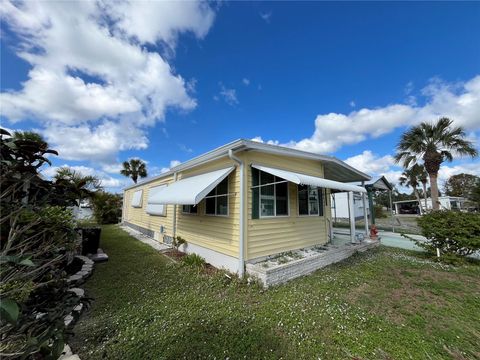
x: 173, y: 163
x: 352, y: 104
x: 92, y: 76
x: 460, y: 102
x: 371, y: 163
x: 267, y: 16
x: 246, y: 81
x: 228, y: 95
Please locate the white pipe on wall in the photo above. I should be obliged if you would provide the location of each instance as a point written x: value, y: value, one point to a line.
x: 241, y: 249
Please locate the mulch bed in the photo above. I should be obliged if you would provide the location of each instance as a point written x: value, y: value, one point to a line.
x: 174, y: 254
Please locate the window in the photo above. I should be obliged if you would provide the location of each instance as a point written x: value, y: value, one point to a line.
x: 310, y: 200
x: 270, y: 195
x: 137, y: 199
x: 189, y: 209
x: 155, y: 209
x: 216, y: 202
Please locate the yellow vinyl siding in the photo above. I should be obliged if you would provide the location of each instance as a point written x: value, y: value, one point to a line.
x: 268, y: 236
x: 139, y: 216
x: 218, y: 233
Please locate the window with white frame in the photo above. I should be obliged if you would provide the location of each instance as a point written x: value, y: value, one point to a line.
x: 216, y: 202
x: 189, y: 209
x: 270, y: 195
x: 310, y: 200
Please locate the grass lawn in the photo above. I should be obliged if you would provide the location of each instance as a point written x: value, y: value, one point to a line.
x: 384, y: 304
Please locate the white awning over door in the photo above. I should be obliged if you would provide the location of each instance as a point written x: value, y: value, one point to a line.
x: 302, y: 179
x: 192, y: 190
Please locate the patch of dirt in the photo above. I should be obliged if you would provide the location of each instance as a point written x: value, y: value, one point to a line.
x: 174, y: 254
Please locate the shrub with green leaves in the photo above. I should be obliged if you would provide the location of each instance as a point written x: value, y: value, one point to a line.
x: 178, y: 241
x: 194, y: 260
x: 107, y: 207
x: 452, y: 232
x: 37, y: 241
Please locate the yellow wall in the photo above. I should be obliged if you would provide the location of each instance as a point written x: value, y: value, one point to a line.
x: 263, y: 236
x: 218, y: 233
x: 269, y: 236
x: 138, y: 216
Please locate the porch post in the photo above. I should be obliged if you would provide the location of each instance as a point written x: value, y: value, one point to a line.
x: 391, y: 211
x: 365, y: 215
x: 351, y: 212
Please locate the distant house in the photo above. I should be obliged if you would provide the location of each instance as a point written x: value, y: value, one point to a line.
x: 241, y: 202
x: 446, y: 203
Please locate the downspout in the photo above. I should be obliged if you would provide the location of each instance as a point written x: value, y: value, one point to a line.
x: 174, y: 230
x: 241, y: 249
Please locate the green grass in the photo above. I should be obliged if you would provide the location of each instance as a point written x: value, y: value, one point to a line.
x: 383, y: 304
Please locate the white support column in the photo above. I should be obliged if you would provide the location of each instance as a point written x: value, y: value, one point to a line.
x: 351, y: 212
x: 365, y: 214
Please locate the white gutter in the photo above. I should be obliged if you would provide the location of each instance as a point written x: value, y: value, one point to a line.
x: 241, y: 249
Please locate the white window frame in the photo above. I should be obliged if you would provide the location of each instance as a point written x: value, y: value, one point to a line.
x: 320, y: 203
x: 260, y: 216
x: 190, y: 213
x: 227, y: 195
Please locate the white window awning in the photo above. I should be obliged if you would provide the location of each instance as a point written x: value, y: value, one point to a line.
x: 192, y: 190
x: 302, y: 179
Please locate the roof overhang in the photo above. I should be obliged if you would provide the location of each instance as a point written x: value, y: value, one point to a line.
x: 335, y: 169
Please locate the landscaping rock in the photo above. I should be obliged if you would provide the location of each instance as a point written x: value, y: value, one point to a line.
x: 79, y: 292
x: 100, y: 257
x: 78, y: 308
x: 74, y: 278
x: 68, y: 320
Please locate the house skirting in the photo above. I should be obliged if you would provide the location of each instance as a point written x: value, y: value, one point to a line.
x: 285, y: 272
x: 215, y: 258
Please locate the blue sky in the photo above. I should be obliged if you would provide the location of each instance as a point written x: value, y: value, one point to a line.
x: 170, y: 82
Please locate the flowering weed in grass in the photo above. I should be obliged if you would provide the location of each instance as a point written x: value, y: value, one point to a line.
x: 386, y: 303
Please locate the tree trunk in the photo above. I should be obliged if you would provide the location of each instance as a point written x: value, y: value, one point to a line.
x: 424, y: 184
x: 434, y: 190
x: 417, y: 196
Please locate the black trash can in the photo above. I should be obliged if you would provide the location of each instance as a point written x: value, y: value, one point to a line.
x: 90, y: 240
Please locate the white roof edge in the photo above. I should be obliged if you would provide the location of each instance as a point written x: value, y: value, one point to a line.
x: 239, y: 144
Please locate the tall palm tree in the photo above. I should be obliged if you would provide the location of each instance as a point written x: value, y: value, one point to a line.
x: 134, y: 168
x: 434, y: 144
x: 410, y: 178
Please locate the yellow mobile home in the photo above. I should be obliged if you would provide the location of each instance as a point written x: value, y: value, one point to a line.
x: 241, y: 202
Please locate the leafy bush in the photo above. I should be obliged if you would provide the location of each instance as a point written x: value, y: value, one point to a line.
x: 37, y: 241
x: 178, y: 241
x: 194, y: 260
x: 107, y: 207
x: 452, y: 232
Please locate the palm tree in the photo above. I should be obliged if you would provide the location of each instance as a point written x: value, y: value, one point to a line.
x: 30, y: 136
x: 85, y: 185
x: 410, y: 178
x: 134, y: 168
x: 434, y: 144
